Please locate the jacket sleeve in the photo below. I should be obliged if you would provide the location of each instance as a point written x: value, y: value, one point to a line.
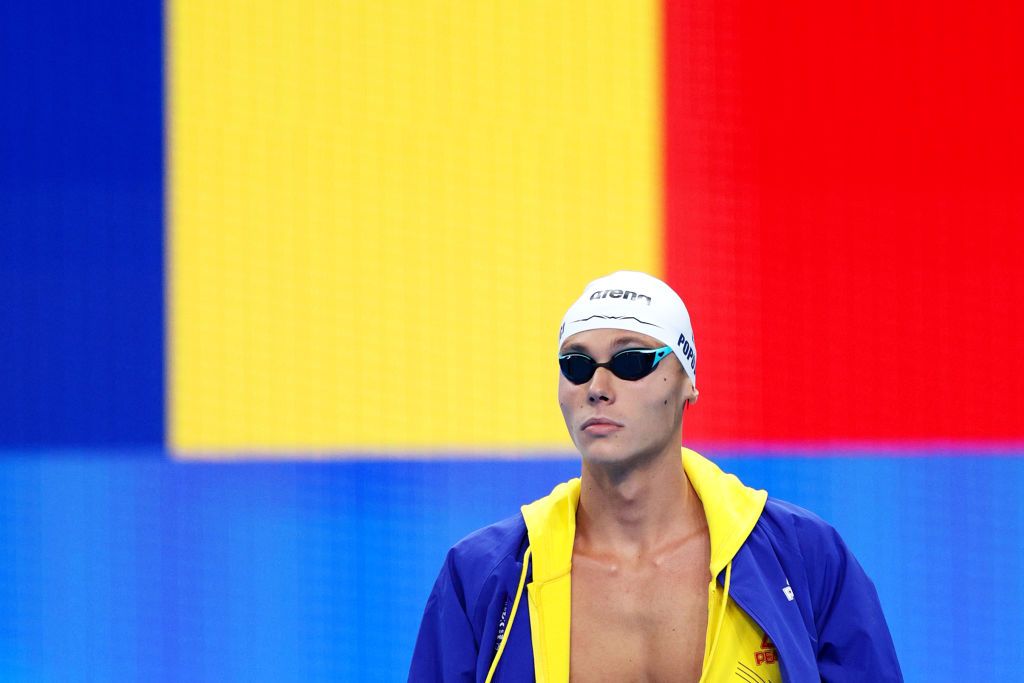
x: 854, y: 643
x: 446, y: 648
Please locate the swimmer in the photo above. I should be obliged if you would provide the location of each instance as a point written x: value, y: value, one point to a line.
x: 654, y: 564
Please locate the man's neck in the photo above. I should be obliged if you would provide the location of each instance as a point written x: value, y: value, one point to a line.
x: 634, y: 511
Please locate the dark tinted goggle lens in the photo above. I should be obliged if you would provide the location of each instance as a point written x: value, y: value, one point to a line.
x: 631, y: 364
x: 577, y: 368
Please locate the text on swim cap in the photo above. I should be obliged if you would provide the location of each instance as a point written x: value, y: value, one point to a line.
x: 688, y: 352
x: 619, y: 294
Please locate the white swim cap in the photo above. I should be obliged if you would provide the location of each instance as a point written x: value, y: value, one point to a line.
x: 638, y: 302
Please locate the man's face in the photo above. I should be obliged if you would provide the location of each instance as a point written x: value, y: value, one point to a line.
x: 637, y: 418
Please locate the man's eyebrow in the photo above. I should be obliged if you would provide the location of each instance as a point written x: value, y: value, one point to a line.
x: 628, y: 340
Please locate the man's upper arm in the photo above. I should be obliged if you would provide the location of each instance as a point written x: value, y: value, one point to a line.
x: 446, y: 648
x: 854, y: 643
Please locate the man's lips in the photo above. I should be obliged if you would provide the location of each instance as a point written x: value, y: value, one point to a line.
x: 600, y: 425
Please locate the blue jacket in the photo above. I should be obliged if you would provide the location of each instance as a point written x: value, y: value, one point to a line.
x: 500, y: 605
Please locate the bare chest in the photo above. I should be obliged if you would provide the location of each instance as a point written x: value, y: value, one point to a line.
x: 643, y: 621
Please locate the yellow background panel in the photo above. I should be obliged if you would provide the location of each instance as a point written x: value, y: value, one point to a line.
x: 379, y: 212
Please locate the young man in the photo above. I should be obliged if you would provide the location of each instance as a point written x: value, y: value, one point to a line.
x: 649, y: 567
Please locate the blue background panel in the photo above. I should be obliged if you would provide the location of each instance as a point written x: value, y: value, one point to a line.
x: 81, y: 223
x: 126, y: 568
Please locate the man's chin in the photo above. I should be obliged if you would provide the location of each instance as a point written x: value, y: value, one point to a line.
x: 606, y: 452
x: 617, y: 454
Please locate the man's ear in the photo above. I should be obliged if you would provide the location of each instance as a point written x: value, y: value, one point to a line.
x: 690, y: 392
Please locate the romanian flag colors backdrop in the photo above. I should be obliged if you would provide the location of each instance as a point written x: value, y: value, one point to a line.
x: 280, y: 287
x: 379, y: 212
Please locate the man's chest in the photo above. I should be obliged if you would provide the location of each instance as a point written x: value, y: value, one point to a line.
x: 642, y: 623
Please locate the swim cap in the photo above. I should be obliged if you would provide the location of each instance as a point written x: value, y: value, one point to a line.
x: 638, y: 302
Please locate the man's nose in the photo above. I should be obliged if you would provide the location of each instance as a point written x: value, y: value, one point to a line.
x: 600, y: 387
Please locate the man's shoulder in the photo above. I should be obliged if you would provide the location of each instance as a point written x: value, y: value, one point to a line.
x: 785, y: 512
x: 800, y: 526
x: 504, y: 535
x: 483, y: 552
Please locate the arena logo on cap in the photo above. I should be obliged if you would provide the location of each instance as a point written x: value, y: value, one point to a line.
x: 619, y: 294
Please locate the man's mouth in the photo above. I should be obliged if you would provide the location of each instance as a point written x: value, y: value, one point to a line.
x: 600, y: 425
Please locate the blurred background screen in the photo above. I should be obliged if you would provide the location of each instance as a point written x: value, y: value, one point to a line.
x: 280, y: 286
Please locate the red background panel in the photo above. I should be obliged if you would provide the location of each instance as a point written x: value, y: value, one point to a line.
x: 844, y: 207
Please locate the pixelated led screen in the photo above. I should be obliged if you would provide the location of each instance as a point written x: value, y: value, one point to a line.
x: 280, y: 287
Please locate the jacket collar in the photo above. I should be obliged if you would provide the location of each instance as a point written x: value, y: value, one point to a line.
x: 731, y: 508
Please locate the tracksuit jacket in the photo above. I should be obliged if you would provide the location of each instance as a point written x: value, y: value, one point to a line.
x: 499, y: 610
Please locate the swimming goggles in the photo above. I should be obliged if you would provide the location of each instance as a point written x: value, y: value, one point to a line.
x: 630, y: 364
